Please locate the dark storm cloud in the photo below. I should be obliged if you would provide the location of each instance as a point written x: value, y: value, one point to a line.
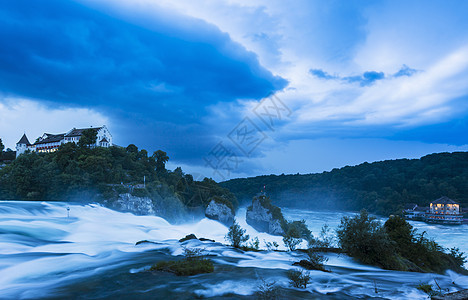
x: 364, y: 79
x: 154, y: 78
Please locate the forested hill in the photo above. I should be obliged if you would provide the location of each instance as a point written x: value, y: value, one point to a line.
x: 380, y: 187
x: 80, y: 172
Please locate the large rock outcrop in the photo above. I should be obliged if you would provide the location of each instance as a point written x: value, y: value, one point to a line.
x: 136, y: 205
x: 221, y: 212
x: 265, y: 217
x: 169, y: 207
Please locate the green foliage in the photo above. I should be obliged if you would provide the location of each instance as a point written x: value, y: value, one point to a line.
x: 271, y: 245
x: 2, y: 147
x: 426, y: 254
x: 325, y: 240
x: 193, y: 254
x: 236, y: 235
x: 428, y: 289
x: 268, y: 291
x: 193, y: 263
x: 298, y: 278
x: 254, y: 244
x: 88, y: 138
x: 395, y: 245
x: 161, y: 160
x: 457, y: 256
x: 185, y: 267
x: 292, y: 238
x: 381, y: 187
x: 315, y: 261
x: 300, y: 229
x: 74, y: 172
x: 363, y: 237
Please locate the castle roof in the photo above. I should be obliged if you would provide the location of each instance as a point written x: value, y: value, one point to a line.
x: 104, y: 140
x: 79, y: 132
x: 51, y: 138
x: 444, y: 200
x: 24, y: 140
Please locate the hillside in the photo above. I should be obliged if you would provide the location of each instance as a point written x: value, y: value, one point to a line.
x: 80, y: 173
x: 380, y: 187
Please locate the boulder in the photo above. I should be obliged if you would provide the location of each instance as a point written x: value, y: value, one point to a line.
x: 220, y: 212
x: 265, y: 217
x: 188, y: 237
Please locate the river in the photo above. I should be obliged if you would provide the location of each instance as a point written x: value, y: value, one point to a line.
x: 91, y: 254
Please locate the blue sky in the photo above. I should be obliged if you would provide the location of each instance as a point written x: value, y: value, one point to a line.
x: 357, y: 81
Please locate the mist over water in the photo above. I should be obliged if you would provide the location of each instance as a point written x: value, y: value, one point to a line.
x: 446, y: 236
x: 92, y: 254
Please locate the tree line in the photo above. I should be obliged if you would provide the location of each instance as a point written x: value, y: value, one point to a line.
x: 380, y: 187
x: 75, y: 172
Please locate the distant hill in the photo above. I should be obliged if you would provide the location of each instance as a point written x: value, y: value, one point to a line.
x: 381, y: 187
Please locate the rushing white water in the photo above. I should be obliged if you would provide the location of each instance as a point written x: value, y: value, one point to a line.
x: 92, y: 254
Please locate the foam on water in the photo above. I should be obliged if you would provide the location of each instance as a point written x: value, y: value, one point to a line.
x: 41, y: 249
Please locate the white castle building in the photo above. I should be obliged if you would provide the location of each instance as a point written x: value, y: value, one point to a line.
x: 50, y: 142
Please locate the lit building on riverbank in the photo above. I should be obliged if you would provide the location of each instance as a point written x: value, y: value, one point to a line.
x: 445, y: 211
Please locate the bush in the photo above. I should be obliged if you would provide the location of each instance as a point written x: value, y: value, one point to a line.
x: 292, y: 238
x: 255, y: 244
x: 185, y: 267
x: 425, y: 253
x: 298, y: 278
x: 268, y: 291
x: 315, y: 261
x: 271, y: 245
x: 236, y: 235
x: 194, y: 263
x: 301, y: 228
x: 325, y: 239
x: 395, y: 246
x: 364, y: 238
x: 428, y: 289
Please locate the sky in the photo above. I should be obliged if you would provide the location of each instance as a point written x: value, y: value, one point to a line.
x: 241, y: 88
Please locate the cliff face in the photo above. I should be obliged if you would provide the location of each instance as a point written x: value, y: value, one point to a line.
x: 219, y: 212
x: 261, y: 216
x: 169, y: 208
x: 136, y: 205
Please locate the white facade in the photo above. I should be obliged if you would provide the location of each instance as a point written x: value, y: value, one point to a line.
x: 104, y: 138
x: 21, y: 148
x: 51, y: 142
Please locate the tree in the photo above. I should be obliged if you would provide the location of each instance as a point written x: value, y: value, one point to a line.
x: 292, y: 238
x: 363, y: 237
x: 88, y: 138
x: 1, y: 147
x: 236, y: 235
x: 161, y: 160
x: 132, y: 149
x: 298, y: 278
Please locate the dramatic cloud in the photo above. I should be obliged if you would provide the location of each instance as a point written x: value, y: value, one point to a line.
x: 61, y: 52
x: 181, y: 75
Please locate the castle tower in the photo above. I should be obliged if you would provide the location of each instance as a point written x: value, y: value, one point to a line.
x: 22, y: 145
